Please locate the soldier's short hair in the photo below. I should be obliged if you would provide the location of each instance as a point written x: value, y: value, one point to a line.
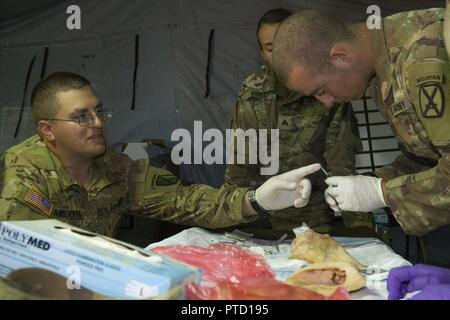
x: 44, y: 102
x: 272, y: 16
x: 306, y: 38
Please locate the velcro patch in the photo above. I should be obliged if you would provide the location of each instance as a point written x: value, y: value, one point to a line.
x: 428, y: 88
x: 39, y: 201
x: 165, y: 180
x: 399, y: 107
x: 436, y: 77
x: 286, y: 123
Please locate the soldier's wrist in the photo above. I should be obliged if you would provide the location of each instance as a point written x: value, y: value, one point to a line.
x: 251, y: 195
x: 247, y: 210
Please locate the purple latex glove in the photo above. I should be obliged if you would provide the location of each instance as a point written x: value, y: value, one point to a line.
x: 433, y: 292
x: 407, y: 279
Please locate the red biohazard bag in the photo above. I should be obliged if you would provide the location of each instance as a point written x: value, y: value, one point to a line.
x: 220, y: 262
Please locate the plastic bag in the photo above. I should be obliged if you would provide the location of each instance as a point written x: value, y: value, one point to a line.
x: 258, y: 289
x: 220, y: 262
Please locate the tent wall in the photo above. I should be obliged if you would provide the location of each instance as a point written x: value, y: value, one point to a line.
x: 173, y: 51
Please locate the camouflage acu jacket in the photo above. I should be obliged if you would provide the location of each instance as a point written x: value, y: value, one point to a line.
x: 412, y: 90
x: 447, y: 28
x: 308, y: 133
x: 35, y: 185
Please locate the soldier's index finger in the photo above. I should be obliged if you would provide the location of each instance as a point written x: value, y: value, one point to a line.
x: 304, y: 171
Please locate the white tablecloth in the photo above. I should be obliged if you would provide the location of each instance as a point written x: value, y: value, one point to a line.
x: 370, y: 251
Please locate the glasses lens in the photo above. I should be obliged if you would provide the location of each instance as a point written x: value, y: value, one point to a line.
x: 86, y: 120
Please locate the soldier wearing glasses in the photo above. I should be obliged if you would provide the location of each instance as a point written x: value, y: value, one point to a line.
x: 66, y: 172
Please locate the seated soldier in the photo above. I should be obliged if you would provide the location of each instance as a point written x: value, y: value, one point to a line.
x: 308, y: 133
x: 66, y: 172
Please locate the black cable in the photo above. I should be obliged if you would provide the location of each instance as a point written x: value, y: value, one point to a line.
x: 208, y: 65
x: 30, y: 68
x: 44, y: 63
x: 136, y: 66
x: 379, y: 138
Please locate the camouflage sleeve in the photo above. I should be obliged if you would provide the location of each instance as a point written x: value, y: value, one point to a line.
x: 447, y: 28
x: 21, y: 192
x: 404, y: 164
x: 342, y: 141
x: 161, y: 195
x: 243, y: 175
x: 421, y: 201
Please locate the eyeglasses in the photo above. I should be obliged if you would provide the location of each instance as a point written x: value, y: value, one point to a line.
x: 88, y: 119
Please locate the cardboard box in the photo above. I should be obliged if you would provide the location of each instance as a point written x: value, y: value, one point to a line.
x: 103, y: 265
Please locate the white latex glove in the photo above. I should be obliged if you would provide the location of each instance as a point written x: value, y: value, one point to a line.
x: 331, y: 202
x: 287, y: 189
x: 356, y: 193
x: 139, y: 290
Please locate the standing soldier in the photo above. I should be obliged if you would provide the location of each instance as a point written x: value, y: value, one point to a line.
x: 308, y: 133
x: 408, y: 68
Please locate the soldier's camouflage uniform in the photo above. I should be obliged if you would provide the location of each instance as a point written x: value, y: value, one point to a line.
x: 308, y: 133
x: 412, y: 90
x: 35, y: 185
x: 447, y: 28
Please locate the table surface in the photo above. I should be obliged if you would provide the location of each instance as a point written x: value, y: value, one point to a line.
x: 370, y: 251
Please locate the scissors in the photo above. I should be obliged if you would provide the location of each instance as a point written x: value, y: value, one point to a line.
x: 327, y: 173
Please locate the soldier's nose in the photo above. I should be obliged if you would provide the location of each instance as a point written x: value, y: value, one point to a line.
x: 98, y: 122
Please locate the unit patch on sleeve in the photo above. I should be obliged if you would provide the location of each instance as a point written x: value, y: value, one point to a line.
x: 432, y: 100
x: 39, y: 201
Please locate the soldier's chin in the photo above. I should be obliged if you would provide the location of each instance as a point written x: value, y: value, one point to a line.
x: 98, y: 150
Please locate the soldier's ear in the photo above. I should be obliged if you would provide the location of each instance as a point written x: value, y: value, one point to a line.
x: 340, y: 56
x: 45, y: 130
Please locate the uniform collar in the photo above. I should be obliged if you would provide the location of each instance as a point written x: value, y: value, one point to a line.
x: 101, y: 175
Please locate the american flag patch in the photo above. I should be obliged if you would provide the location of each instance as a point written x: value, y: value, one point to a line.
x: 38, y: 200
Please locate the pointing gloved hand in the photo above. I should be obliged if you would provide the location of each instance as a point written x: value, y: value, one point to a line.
x: 287, y: 189
x: 432, y: 282
x: 354, y: 193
